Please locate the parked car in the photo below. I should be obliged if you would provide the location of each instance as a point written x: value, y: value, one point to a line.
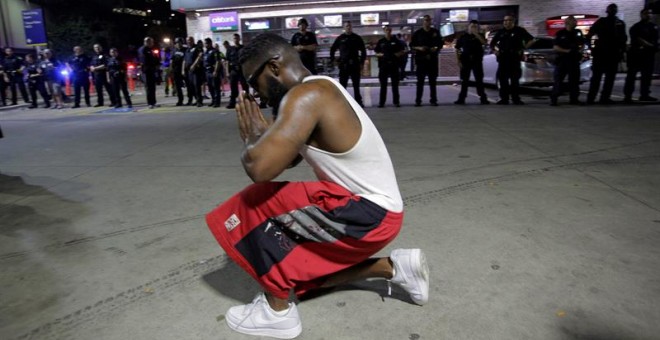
x: 537, y: 66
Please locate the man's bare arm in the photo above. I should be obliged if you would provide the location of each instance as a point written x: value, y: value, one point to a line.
x: 271, y: 150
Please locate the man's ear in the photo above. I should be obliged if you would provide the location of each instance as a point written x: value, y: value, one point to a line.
x: 275, y: 66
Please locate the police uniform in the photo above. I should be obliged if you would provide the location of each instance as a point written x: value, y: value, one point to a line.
x: 568, y: 64
x: 212, y: 58
x: 176, y: 63
x: 388, y: 67
x: 35, y: 77
x: 308, y: 58
x: 80, y: 73
x: 510, y: 44
x: 189, y: 57
x: 101, y: 79
x: 606, y: 55
x: 235, y: 74
x: 471, y: 55
x: 14, y: 68
x: 3, y: 84
x: 117, y: 71
x: 426, y: 62
x: 150, y: 63
x: 641, y: 58
x: 352, y: 54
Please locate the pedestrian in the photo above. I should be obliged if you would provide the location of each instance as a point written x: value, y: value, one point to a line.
x: 100, y: 76
x: 213, y: 71
x: 568, y: 44
x: 165, y: 57
x: 149, y: 65
x: 426, y: 42
x: 191, y: 55
x: 352, y: 55
x: 14, y: 67
x: 470, y: 54
x: 50, y: 67
x: 117, y: 70
x: 389, y: 50
x: 79, y: 66
x: 404, y: 57
x: 235, y: 73
x: 606, y: 54
x: 641, y: 57
x: 176, y: 64
x: 509, y: 44
x: 300, y: 236
x: 304, y: 42
x: 35, y: 79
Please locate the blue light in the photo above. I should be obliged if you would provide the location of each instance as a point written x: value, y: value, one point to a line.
x: 64, y: 72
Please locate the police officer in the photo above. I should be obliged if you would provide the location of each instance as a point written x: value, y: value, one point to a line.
x: 14, y: 67
x: 50, y: 68
x: 79, y: 65
x: 606, y: 54
x: 117, y: 78
x: 100, y: 76
x: 568, y: 45
x: 305, y: 43
x: 4, y: 80
x: 192, y: 52
x: 404, y: 58
x: 235, y: 71
x: 389, y: 50
x: 509, y: 44
x: 213, y: 69
x: 35, y: 78
x: 150, y: 64
x: 352, y: 54
x: 426, y: 43
x: 176, y: 63
x: 470, y: 54
x: 641, y: 57
x: 198, y: 76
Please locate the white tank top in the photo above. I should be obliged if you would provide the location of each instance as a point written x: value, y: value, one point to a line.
x: 366, y: 169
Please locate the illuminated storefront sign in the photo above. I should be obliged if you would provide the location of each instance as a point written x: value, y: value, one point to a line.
x: 224, y: 21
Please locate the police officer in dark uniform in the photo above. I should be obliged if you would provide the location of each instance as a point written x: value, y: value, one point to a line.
x: 470, y: 54
x: 568, y: 45
x: 100, y: 76
x: 235, y: 71
x: 79, y: 65
x: 606, y: 54
x: 35, y: 78
x: 389, y: 51
x: 305, y: 43
x: 192, y: 52
x: 198, y: 76
x: 426, y: 43
x: 176, y: 63
x: 3, y: 83
x: 509, y: 44
x: 14, y: 67
x: 117, y: 78
x: 641, y: 57
x: 352, y: 54
x: 150, y: 65
x: 213, y: 70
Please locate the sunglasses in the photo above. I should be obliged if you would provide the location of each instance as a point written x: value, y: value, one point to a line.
x: 252, y: 81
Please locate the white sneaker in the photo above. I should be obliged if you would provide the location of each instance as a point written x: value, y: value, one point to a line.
x: 257, y: 318
x: 411, y: 273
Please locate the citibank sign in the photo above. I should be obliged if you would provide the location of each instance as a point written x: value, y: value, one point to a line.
x: 224, y: 21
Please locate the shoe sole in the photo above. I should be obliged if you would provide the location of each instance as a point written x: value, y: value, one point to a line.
x: 273, y: 333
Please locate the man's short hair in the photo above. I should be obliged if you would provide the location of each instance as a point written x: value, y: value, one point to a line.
x: 303, y: 21
x: 262, y: 46
x: 476, y: 22
x: 208, y: 40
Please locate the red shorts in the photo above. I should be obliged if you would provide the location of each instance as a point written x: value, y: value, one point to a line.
x: 290, y: 235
